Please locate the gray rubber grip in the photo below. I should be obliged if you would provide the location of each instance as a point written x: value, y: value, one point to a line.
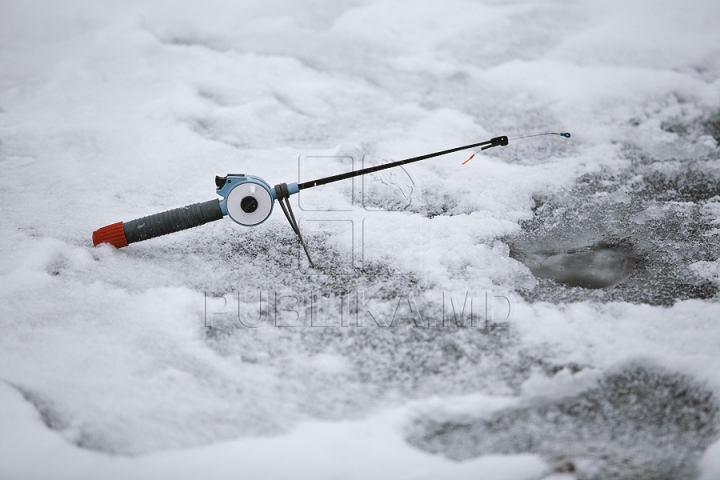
x: 172, y: 221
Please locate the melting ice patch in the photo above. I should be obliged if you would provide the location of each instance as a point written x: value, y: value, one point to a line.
x: 638, y: 422
x: 636, y: 231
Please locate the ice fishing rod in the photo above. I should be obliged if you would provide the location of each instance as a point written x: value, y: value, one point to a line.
x: 248, y: 200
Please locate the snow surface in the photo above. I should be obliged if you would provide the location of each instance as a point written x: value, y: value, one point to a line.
x: 132, y: 363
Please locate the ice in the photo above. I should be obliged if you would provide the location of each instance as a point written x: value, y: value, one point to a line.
x: 337, y: 449
x: 624, y: 406
x: 550, y: 279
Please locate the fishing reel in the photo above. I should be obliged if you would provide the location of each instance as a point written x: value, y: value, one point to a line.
x: 248, y: 200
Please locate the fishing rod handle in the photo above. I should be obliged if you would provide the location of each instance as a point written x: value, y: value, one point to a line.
x: 122, y: 234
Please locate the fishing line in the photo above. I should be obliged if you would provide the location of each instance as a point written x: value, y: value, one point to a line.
x: 562, y: 134
x: 248, y: 200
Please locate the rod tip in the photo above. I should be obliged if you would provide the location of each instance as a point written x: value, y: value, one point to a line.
x: 565, y: 134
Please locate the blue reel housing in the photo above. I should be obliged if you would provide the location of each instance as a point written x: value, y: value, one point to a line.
x: 247, y: 199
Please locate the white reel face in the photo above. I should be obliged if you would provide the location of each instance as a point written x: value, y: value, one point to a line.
x: 249, y: 204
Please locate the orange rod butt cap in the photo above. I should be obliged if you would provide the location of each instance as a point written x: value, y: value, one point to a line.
x: 113, y: 234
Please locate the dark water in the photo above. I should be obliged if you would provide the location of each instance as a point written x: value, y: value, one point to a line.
x: 590, y: 267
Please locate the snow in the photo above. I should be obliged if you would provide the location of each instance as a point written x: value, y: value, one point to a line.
x: 132, y: 362
x: 347, y: 449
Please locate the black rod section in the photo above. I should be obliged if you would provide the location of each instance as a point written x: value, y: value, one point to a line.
x: 336, y: 178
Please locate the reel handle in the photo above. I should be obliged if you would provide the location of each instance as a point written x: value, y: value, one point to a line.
x: 122, y: 234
